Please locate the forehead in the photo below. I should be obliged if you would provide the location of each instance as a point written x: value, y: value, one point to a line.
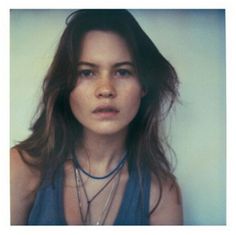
x: 104, y: 46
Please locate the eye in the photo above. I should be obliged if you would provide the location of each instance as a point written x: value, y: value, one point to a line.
x: 85, y: 73
x: 123, y: 73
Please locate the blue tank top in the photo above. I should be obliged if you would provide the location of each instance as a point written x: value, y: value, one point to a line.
x: 48, y: 206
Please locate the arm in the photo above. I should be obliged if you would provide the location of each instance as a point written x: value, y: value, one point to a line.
x: 23, y: 183
x: 169, y: 211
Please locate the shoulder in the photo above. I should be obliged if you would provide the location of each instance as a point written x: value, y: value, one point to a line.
x: 21, y: 171
x: 24, y: 180
x: 169, y: 210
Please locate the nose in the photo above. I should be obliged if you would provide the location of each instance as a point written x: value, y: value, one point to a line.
x: 105, y: 88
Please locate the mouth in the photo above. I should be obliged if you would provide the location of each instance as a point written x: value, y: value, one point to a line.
x: 105, y: 111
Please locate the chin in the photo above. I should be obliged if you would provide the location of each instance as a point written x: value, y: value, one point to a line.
x: 107, y: 131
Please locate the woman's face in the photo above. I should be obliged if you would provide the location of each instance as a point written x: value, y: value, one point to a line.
x: 107, y: 94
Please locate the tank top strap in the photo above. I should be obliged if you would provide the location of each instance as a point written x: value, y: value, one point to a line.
x: 48, y: 205
x: 134, y: 208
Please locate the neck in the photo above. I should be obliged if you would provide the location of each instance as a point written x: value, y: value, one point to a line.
x: 99, y: 153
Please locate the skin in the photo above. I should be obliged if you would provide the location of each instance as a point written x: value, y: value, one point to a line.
x: 106, y: 76
x: 23, y: 182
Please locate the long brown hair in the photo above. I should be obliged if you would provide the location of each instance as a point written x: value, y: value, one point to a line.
x: 56, y: 132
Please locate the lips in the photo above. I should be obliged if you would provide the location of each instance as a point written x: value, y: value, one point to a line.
x: 105, y: 111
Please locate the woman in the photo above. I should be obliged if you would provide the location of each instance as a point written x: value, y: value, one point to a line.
x: 96, y: 155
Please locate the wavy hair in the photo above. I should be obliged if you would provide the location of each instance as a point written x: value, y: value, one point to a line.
x: 56, y: 132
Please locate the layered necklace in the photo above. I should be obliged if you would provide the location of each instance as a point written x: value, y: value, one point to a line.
x: 114, y: 178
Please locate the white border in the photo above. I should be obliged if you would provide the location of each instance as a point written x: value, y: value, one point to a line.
x: 72, y: 4
x: 229, y: 5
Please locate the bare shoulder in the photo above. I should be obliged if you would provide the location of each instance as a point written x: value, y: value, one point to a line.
x: 21, y: 171
x: 169, y: 211
x: 24, y: 181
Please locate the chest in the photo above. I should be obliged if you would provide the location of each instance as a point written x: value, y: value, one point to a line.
x: 89, y: 201
x: 58, y: 204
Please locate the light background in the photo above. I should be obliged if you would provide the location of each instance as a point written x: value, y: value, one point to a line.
x: 194, y: 42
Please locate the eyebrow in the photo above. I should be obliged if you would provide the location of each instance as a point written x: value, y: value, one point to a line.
x: 115, y: 65
x: 87, y: 64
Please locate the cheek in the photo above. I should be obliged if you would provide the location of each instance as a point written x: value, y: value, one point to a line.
x: 132, y: 100
x: 75, y: 102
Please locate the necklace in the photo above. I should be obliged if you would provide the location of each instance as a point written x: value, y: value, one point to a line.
x: 87, y: 218
x: 108, y: 203
x: 119, y: 165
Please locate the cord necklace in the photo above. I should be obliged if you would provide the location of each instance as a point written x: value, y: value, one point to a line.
x: 79, y: 183
x: 120, y: 164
